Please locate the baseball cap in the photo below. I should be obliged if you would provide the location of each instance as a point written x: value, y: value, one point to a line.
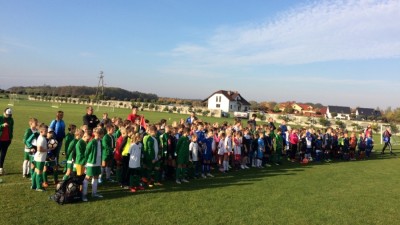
x: 8, y: 111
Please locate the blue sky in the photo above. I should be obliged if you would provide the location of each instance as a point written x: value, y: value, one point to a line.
x: 330, y: 52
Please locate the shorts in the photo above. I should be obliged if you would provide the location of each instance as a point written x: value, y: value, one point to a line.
x: 39, y: 165
x: 238, y: 157
x: 106, y: 158
x: 207, y: 157
x: 182, y: 160
x: 70, y: 165
x: 93, y: 171
x: 50, y: 163
x: 79, y: 169
x: 27, y: 155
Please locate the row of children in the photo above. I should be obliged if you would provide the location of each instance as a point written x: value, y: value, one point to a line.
x: 144, y: 157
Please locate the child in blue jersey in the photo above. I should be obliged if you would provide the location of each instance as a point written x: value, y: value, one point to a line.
x: 254, y: 149
x: 207, y: 155
x: 260, y: 149
x: 369, y: 142
x: 361, y: 146
x: 318, y: 147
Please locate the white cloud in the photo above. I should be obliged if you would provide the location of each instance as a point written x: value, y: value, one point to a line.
x: 317, y: 32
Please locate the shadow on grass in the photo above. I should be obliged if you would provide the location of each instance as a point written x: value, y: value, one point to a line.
x: 239, y: 178
x: 234, y: 178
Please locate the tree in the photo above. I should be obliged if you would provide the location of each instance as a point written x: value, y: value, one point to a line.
x: 253, y: 105
x: 324, y: 122
x: 334, y: 114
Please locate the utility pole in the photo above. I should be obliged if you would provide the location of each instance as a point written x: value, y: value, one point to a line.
x: 100, y: 89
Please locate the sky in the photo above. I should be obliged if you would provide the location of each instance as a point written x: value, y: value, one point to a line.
x: 344, y: 53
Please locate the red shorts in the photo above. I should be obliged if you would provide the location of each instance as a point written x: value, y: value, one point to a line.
x: 238, y: 157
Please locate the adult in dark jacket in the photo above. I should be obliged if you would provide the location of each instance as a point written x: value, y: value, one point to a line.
x: 6, y: 135
x: 90, y: 119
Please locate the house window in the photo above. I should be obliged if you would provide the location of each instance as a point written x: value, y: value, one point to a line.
x: 218, y: 106
x: 231, y: 106
x: 245, y: 109
x: 216, y: 98
x: 219, y: 98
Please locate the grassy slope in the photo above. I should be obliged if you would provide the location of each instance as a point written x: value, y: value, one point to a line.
x: 338, y: 193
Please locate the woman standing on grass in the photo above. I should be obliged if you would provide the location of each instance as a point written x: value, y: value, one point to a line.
x: 6, y: 135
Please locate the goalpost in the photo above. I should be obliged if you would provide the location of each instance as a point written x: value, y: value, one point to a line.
x: 13, y: 99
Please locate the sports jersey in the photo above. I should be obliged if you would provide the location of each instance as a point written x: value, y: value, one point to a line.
x: 93, y: 153
x: 40, y: 156
x: 135, y: 154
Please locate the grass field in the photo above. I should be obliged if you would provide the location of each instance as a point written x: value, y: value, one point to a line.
x: 360, y: 192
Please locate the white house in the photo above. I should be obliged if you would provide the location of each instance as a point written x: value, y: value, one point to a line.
x: 342, y: 112
x: 227, y: 101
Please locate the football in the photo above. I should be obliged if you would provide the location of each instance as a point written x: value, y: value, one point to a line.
x: 52, y: 144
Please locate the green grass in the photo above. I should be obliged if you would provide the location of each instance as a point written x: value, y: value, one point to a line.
x: 361, y: 192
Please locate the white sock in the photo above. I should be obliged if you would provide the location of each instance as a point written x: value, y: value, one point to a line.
x: 24, y: 168
x: 28, y: 166
x: 108, y: 172
x: 85, y: 186
x: 94, y: 186
x: 102, y: 172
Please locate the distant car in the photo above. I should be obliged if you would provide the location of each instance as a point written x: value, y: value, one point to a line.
x: 243, y: 115
x: 224, y: 114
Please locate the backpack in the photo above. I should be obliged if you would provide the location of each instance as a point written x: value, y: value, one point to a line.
x: 68, y: 191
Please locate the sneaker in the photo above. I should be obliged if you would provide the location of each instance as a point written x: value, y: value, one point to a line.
x: 84, y: 198
x: 24, y: 176
x: 158, y: 184
x: 97, y: 195
x: 125, y: 187
x: 185, y: 181
x: 242, y: 167
x: 246, y: 167
x: 268, y: 165
x: 2, y: 171
x: 100, y: 181
x: 133, y: 190
x: 110, y: 180
x: 277, y: 164
x: 151, y: 185
x: 210, y: 175
x: 40, y: 189
x: 178, y: 181
x: 140, y: 188
x: 45, y: 184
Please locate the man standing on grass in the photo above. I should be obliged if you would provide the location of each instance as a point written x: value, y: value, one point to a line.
x: 6, y: 135
x: 58, y: 126
x: 90, y: 119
